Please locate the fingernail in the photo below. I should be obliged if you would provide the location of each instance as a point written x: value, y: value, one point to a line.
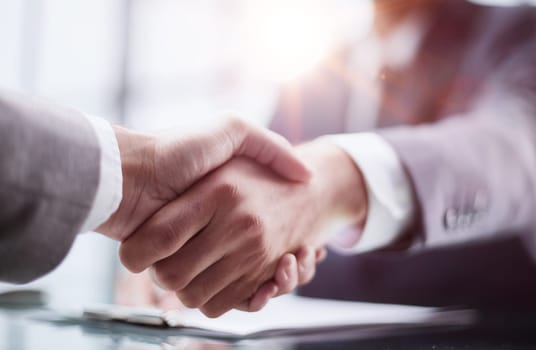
x: 286, y: 275
x: 274, y: 292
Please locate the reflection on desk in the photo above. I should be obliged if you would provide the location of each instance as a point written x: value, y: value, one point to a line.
x: 35, y: 329
x: 287, y: 316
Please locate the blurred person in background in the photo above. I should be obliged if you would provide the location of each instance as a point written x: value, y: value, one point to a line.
x: 436, y: 186
x: 448, y: 158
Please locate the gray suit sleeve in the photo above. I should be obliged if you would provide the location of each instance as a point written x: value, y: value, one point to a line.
x: 49, y: 173
x: 474, y: 175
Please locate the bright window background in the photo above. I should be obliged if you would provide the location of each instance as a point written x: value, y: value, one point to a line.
x: 192, y: 60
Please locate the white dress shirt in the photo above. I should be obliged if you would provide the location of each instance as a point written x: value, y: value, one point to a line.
x: 391, y: 205
x: 390, y: 199
x: 110, y: 188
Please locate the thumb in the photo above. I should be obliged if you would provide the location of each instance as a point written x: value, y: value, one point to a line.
x: 267, y: 148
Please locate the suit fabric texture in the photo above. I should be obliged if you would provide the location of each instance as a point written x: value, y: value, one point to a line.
x: 49, y: 173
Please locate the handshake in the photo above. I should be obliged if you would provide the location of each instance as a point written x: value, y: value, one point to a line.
x: 230, y: 217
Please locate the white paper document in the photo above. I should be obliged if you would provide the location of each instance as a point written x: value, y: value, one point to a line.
x: 287, y: 315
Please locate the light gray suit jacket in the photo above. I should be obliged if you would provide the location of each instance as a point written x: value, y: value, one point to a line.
x: 49, y: 172
x: 462, y: 118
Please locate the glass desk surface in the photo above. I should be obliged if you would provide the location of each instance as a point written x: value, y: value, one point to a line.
x: 31, y: 329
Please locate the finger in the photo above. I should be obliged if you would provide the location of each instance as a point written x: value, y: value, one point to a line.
x: 306, y: 257
x: 168, y: 230
x: 263, y: 295
x: 267, y: 148
x: 209, y: 283
x: 321, y: 254
x: 230, y: 297
x: 285, y: 281
x: 286, y: 276
x: 203, y: 251
x: 198, y: 254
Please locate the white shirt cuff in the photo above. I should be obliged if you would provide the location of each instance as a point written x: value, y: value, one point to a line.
x: 391, y: 204
x: 110, y: 188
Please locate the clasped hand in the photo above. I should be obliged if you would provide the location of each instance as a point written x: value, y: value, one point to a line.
x: 227, y: 218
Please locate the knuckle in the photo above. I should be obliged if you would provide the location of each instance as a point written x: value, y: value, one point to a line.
x: 169, y: 279
x: 227, y: 191
x: 252, y: 223
x: 228, y: 299
x: 235, y: 123
x: 212, y: 311
x: 165, y: 238
x: 190, y: 298
x: 128, y: 259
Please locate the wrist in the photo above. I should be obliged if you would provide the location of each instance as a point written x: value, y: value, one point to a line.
x: 339, y: 182
x: 137, y: 166
x: 137, y: 152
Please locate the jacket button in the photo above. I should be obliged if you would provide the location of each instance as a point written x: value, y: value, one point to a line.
x: 450, y: 220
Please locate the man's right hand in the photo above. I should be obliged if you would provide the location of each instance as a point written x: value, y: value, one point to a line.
x: 156, y: 170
